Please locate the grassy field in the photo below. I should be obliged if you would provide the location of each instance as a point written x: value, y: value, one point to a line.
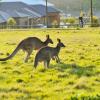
x: 76, y: 78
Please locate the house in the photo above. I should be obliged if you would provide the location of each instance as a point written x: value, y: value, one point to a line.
x: 20, y: 11
x: 26, y: 15
x: 53, y: 14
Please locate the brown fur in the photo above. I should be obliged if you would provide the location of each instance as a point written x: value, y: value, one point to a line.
x: 45, y: 54
x: 28, y: 45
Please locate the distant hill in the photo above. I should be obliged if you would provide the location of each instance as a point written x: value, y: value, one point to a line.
x: 75, y: 5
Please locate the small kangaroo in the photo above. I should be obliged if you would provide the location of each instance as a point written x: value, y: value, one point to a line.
x: 28, y: 45
x: 46, y: 53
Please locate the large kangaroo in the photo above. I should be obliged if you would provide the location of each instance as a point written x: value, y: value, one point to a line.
x: 46, y: 53
x: 28, y: 45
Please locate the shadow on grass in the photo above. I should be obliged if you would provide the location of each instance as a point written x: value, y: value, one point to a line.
x: 76, y: 69
x: 60, y: 67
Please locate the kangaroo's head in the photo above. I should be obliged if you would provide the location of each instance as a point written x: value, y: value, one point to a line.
x: 60, y: 44
x: 48, y: 40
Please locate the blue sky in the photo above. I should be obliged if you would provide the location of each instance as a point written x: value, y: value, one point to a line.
x: 28, y: 1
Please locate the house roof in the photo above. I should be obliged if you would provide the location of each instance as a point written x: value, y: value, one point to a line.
x: 4, y: 16
x: 41, y: 9
x: 20, y: 9
x: 16, y: 9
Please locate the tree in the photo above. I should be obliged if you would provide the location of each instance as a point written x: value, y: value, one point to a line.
x: 95, y: 22
x: 11, y: 21
x: 70, y: 20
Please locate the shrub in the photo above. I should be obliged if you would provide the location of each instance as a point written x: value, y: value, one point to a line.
x: 70, y: 20
x: 95, y: 21
x: 55, y: 24
x: 11, y: 21
x: 62, y: 19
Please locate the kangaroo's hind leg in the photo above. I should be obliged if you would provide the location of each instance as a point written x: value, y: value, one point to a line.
x: 29, y: 52
x: 35, y: 63
x: 46, y: 63
x: 57, y: 59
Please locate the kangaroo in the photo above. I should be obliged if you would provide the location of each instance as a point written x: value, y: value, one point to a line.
x: 47, y: 53
x: 28, y: 45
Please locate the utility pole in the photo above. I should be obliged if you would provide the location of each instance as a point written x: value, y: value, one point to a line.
x: 47, y: 13
x: 91, y: 12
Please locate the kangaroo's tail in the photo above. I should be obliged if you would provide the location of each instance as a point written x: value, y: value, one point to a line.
x: 13, y: 54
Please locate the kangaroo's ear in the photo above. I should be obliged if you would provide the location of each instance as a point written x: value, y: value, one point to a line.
x: 47, y: 36
x: 59, y: 40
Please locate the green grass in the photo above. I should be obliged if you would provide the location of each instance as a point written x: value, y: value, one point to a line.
x: 76, y: 78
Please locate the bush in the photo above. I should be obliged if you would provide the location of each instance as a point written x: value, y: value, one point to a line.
x: 55, y: 24
x: 95, y: 21
x: 70, y: 20
x: 11, y: 21
x: 63, y: 20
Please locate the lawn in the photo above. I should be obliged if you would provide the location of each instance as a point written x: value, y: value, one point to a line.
x: 76, y: 78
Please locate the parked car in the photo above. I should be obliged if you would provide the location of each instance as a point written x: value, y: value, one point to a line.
x: 40, y: 26
x: 63, y: 25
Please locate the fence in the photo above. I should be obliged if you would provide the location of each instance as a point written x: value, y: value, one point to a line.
x: 65, y: 26
x: 72, y: 8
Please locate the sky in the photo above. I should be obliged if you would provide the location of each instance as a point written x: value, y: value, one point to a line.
x: 28, y: 1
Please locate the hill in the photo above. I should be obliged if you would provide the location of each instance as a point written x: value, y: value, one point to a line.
x: 76, y: 5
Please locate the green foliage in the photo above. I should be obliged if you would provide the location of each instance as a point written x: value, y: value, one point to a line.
x: 95, y: 21
x: 55, y: 24
x: 62, y: 19
x: 84, y: 97
x: 70, y: 20
x: 11, y: 21
x: 75, y: 78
